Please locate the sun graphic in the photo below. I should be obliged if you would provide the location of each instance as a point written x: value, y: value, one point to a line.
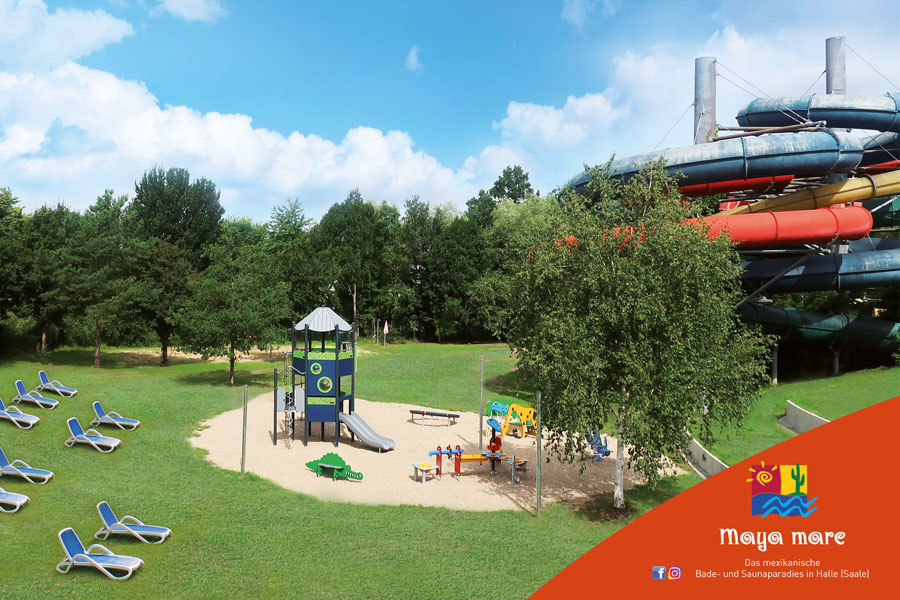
x: 765, y: 479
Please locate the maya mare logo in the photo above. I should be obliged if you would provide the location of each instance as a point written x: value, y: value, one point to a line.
x: 780, y: 490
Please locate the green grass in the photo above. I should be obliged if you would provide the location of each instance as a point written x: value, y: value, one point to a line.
x: 831, y: 397
x: 247, y: 537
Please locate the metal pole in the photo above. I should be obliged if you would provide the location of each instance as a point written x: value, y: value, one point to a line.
x: 704, y: 99
x: 538, y: 425
x: 775, y: 366
x: 835, y: 66
x: 481, y: 413
x: 274, y: 409
x: 244, y: 438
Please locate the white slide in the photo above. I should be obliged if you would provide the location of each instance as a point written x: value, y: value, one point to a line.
x: 366, y: 434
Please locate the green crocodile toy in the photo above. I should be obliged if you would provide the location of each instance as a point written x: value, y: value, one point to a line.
x: 337, y: 465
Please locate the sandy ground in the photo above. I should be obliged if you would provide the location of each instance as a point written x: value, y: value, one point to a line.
x: 388, y: 476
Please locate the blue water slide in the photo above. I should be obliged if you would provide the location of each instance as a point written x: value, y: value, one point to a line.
x: 865, y: 331
x: 881, y: 113
x: 809, y: 153
x: 857, y: 270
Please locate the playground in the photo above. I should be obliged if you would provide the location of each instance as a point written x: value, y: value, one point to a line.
x: 388, y: 477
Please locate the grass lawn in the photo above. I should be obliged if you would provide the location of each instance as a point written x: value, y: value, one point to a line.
x: 246, y: 537
x: 831, y: 397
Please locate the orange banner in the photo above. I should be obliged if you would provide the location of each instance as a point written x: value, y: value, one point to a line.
x: 814, y: 515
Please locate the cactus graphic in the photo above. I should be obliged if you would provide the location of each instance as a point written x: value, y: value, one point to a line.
x: 799, y: 480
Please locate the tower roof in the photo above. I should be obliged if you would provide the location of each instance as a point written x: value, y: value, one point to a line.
x: 323, y: 319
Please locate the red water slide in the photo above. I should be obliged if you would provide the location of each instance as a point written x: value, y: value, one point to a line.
x: 819, y: 226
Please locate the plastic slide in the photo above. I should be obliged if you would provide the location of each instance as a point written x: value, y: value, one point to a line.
x: 365, y: 433
x: 793, y: 227
x: 837, y: 272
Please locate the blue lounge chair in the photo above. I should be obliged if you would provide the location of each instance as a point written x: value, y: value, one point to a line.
x: 97, y: 556
x: 91, y: 437
x: 14, y: 413
x: 23, y: 469
x: 113, y: 418
x: 33, y: 396
x: 54, y: 386
x: 10, y: 502
x: 128, y: 525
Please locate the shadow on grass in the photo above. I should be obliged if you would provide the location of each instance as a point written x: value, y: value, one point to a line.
x: 512, y: 384
x: 217, y: 377
x: 109, y: 359
x: 638, y: 500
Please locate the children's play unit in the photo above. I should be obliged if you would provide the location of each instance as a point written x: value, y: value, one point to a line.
x: 327, y: 371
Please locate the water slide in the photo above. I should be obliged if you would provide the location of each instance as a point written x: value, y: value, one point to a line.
x: 768, y: 163
x: 365, y: 433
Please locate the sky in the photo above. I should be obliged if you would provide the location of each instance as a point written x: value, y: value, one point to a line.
x: 308, y: 100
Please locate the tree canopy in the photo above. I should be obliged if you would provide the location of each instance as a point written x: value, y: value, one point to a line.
x: 623, y: 315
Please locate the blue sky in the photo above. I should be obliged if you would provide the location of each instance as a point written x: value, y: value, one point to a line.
x: 276, y: 100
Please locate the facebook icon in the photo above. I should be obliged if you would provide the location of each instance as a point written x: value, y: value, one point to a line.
x: 659, y: 573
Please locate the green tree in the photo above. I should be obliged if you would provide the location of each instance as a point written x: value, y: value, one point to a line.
x: 239, y: 301
x: 101, y: 279
x: 13, y: 261
x: 290, y: 241
x: 46, y: 281
x: 623, y: 315
x: 513, y: 184
x: 178, y: 219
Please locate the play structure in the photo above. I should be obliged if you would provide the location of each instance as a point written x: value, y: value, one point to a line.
x: 334, y: 465
x: 324, y: 367
x: 599, y: 445
x: 797, y: 179
x: 516, y: 416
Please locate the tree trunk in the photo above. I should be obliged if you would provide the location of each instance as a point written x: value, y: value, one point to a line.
x: 164, y: 340
x: 231, y: 363
x: 619, y: 492
x: 97, y: 344
x: 44, y: 339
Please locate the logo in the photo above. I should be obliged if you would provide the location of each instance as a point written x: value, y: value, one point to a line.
x: 780, y: 490
x: 659, y: 573
x: 674, y: 573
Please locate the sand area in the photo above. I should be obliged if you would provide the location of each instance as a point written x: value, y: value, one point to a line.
x: 388, y: 476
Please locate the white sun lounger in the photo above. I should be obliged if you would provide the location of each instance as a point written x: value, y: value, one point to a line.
x: 128, y: 525
x: 97, y: 556
x: 10, y: 502
x: 22, y: 469
x: 14, y: 413
x: 113, y: 418
x: 33, y: 396
x: 54, y: 386
x: 91, y: 437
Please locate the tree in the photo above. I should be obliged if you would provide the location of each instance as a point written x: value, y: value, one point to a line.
x: 513, y: 184
x: 101, y: 279
x: 290, y: 240
x: 623, y: 315
x: 238, y: 302
x: 46, y: 281
x: 179, y: 219
x: 12, y: 259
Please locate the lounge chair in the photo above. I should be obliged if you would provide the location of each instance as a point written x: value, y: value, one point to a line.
x: 54, y: 386
x: 10, y: 502
x: 128, y: 525
x: 14, y: 413
x: 91, y: 437
x: 97, y: 556
x: 113, y: 418
x: 33, y: 396
x: 23, y: 469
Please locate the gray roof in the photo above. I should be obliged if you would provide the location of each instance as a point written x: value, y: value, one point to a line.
x: 322, y: 319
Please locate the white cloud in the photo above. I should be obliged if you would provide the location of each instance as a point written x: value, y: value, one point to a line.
x: 207, y: 11
x: 31, y: 38
x: 72, y: 132
x: 570, y: 125
x: 412, y: 62
x: 576, y: 12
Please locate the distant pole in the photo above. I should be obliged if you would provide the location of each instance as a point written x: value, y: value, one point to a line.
x: 775, y: 365
x: 704, y: 99
x: 274, y: 411
x: 244, y: 439
x: 538, y: 453
x: 835, y: 66
x: 481, y: 414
